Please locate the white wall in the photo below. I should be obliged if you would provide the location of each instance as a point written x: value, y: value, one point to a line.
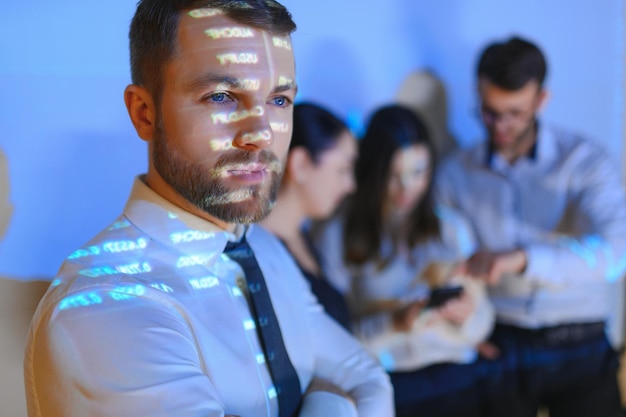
x: 73, y: 153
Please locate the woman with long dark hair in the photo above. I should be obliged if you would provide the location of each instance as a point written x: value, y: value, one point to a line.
x: 319, y: 173
x: 387, y: 251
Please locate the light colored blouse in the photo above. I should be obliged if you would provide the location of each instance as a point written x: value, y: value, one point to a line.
x: 429, y: 342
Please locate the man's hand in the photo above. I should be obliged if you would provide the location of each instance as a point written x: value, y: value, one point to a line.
x: 318, y: 384
x: 490, y: 266
x: 404, y: 317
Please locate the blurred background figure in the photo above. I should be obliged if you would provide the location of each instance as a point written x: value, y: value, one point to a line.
x: 6, y: 208
x: 375, y: 252
x: 318, y: 175
x: 425, y: 94
x: 549, y: 214
x: 18, y: 300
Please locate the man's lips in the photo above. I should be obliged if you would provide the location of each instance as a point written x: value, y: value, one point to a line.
x: 246, y: 172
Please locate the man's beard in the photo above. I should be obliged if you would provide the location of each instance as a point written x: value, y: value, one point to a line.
x: 521, y: 137
x: 202, y: 186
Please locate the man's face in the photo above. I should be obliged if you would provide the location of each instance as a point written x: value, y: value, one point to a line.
x: 509, y: 116
x: 225, y: 116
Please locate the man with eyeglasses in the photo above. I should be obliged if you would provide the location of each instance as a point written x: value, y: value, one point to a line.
x: 549, y: 212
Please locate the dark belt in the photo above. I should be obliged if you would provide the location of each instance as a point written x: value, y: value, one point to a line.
x: 563, y: 334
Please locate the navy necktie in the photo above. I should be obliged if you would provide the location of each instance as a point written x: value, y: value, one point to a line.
x: 283, y: 374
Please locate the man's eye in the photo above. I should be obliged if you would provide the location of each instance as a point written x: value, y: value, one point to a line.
x: 218, y: 97
x: 280, y: 101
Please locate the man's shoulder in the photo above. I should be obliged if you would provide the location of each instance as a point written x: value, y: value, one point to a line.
x: 267, y: 247
x: 124, y: 262
x: 464, y: 160
x: 568, y: 141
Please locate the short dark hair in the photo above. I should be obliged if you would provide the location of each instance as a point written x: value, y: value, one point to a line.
x: 390, y: 129
x: 512, y: 64
x: 315, y: 129
x: 153, y: 31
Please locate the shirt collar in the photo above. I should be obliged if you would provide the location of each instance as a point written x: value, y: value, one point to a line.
x: 542, y: 150
x: 163, y: 220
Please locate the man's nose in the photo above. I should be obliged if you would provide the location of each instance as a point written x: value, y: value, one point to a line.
x: 255, y: 132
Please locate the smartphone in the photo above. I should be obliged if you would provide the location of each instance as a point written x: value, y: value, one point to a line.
x: 440, y: 296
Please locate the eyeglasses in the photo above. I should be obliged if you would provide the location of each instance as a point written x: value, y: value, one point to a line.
x: 510, y: 118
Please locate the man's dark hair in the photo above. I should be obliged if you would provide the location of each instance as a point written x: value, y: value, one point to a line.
x: 153, y: 31
x: 512, y: 64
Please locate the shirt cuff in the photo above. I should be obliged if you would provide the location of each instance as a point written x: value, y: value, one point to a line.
x: 324, y: 404
x: 539, y: 260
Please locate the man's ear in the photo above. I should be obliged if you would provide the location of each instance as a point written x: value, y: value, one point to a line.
x: 298, y: 163
x: 141, y: 110
x: 544, y: 97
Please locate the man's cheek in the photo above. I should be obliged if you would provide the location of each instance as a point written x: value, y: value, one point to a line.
x: 217, y: 137
x: 281, y: 127
x: 282, y: 141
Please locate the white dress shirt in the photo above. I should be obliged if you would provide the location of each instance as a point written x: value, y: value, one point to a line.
x: 564, y: 206
x: 151, y: 319
x: 427, y: 342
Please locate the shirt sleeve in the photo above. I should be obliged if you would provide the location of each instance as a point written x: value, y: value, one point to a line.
x: 332, y: 354
x: 340, y: 359
x: 322, y: 403
x: 458, y: 239
x: 600, y: 215
x: 80, y: 370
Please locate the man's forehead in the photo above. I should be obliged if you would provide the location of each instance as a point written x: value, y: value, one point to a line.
x: 235, y: 44
x: 490, y: 92
x: 214, y: 25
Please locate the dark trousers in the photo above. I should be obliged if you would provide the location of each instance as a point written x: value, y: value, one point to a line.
x: 443, y: 390
x: 572, y: 372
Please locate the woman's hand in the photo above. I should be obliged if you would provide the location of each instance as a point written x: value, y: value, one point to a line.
x: 457, y: 310
x: 404, y: 317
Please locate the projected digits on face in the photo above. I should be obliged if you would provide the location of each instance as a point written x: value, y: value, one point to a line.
x: 236, y: 116
x: 279, y: 127
x: 263, y: 135
x: 221, y: 144
x: 231, y: 117
x: 285, y: 81
x: 205, y: 12
x: 243, y: 58
x: 250, y: 85
x: 229, y: 33
x: 281, y: 43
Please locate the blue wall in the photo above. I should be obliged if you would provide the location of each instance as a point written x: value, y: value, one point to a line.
x: 73, y: 153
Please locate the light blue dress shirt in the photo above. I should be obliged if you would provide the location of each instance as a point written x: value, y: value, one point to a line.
x: 564, y: 206
x: 150, y: 318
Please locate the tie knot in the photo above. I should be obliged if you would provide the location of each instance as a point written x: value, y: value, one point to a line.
x: 238, y: 250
